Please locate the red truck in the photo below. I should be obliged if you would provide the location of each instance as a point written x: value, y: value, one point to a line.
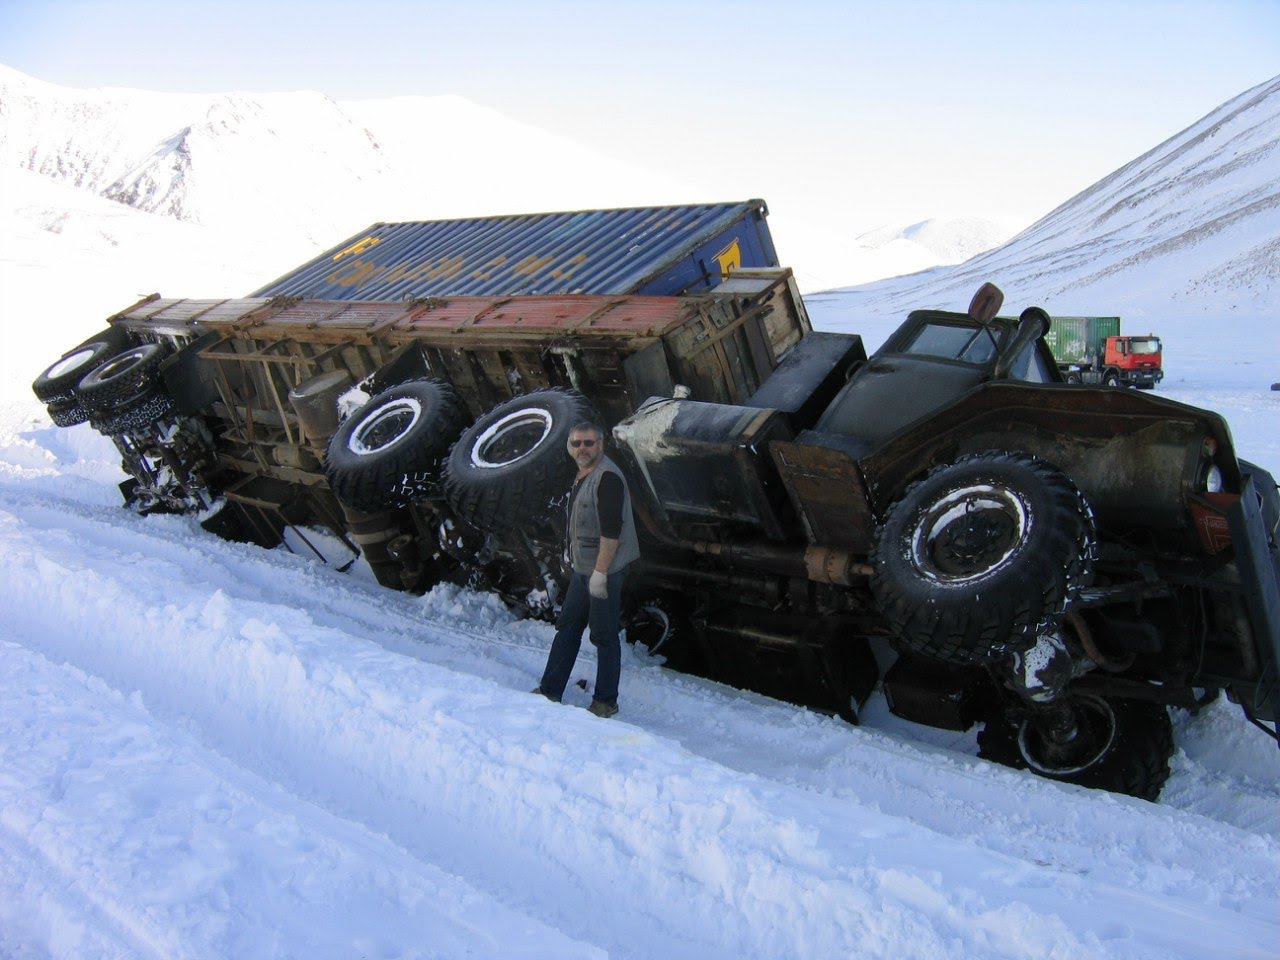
x: 1091, y: 350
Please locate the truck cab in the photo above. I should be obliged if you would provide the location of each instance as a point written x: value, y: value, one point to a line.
x: 1138, y: 359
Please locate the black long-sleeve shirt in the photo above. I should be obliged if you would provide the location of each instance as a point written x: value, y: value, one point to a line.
x: 608, y: 503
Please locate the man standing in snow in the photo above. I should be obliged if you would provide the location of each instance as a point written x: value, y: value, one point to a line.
x: 601, y: 542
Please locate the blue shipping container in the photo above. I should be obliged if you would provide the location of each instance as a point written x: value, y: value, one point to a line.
x: 642, y: 250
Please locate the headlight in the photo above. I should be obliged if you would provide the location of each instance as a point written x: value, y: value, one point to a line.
x: 1213, y: 479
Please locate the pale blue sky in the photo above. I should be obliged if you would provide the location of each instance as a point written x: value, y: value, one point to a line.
x: 872, y: 112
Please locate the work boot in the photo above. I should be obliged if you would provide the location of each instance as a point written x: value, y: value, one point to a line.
x: 602, y: 709
x: 538, y: 690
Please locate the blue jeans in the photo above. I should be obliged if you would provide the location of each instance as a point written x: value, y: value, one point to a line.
x: 579, y: 610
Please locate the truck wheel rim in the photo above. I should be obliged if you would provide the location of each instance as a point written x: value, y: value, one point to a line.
x: 388, y: 425
x: 123, y: 362
x: 69, y: 363
x: 511, y: 438
x: 968, y: 533
x: 1095, y: 733
x: 650, y: 623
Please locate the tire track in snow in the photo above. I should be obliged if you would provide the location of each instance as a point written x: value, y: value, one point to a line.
x: 68, y: 918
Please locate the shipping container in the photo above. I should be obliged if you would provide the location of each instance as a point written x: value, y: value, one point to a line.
x: 643, y: 250
x: 1077, y: 339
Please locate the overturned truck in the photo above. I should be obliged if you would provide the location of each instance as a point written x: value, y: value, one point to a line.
x: 1058, y: 563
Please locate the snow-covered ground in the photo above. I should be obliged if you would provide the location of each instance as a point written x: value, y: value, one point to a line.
x: 209, y: 750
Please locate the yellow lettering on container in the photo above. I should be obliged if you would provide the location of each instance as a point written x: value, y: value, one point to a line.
x: 568, y: 268
x: 446, y: 267
x: 485, y: 272
x: 730, y: 258
x: 360, y: 246
x: 354, y: 274
x: 530, y: 265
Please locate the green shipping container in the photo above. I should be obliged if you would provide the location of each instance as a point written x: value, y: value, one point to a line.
x: 1076, y: 339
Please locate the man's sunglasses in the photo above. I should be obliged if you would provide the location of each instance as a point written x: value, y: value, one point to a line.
x: 582, y: 443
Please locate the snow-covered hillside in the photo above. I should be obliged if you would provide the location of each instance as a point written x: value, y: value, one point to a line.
x: 893, y: 251
x: 1190, y: 229
x: 300, y: 164
x: 285, y: 167
x: 209, y: 750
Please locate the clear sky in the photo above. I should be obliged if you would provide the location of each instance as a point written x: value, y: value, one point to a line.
x: 858, y: 113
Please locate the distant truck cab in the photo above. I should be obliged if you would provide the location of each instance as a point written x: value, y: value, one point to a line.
x: 1091, y: 350
x: 1137, y: 360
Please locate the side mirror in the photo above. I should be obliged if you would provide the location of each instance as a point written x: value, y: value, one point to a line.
x: 986, y: 303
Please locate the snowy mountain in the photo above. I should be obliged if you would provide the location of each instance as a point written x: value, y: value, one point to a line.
x: 893, y: 251
x: 953, y: 240
x: 300, y: 164
x: 1189, y: 229
x: 209, y: 750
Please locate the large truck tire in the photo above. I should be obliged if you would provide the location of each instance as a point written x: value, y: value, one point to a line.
x: 59, y: 379
x: 388, y: 451
x: 1122, y: 746
x: 982, y: 555
x: 67, y: 412
x: 136, y: 414
x: 122, y: 378
x: 511, y: 467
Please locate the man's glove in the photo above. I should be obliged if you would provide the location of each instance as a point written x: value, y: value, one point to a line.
x: 599, y: 585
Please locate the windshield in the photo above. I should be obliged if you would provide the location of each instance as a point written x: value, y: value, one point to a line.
x: 1144, y: 345
x: 973, y: 345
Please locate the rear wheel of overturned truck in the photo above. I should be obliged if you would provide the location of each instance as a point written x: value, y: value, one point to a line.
x: 136, y: 414
x: 388, y: 451
x: 121, y: 380
x: 56, y: 384
x: 67, y: 412
x: 981, y: 556
x: 1118, y: 745
x: 59, y: 379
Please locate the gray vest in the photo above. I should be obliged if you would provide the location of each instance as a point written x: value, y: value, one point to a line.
x: 584, y: 523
